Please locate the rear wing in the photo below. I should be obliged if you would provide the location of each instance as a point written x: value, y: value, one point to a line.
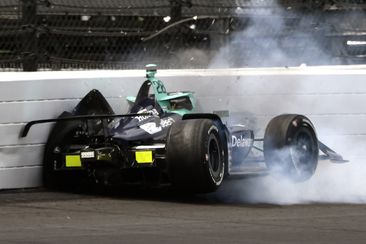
x: 85, y: 118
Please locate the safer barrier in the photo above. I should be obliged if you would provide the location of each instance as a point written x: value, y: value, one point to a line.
x: 333, y: 97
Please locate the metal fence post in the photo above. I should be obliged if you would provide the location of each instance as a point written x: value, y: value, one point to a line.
x: 176, y: 10
x: 30, y: 38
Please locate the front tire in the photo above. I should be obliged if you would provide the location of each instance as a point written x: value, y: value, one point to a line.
x: 196, y: 155
x: 291, y: 147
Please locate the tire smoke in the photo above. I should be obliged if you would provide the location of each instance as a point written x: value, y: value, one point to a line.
x: 274, y: 37
x: 332, y: 183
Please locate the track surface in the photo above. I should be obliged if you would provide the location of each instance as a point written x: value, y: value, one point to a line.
x: 40, y: 216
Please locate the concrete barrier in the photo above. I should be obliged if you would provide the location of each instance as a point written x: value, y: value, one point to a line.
x: 332, y: 97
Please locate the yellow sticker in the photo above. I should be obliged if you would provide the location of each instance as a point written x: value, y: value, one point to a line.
x: 73, y: 161
x: 144, y: 157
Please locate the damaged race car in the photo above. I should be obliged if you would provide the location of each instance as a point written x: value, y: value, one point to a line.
x: 162, y: 141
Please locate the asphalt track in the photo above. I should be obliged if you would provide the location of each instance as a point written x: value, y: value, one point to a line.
x: 41, y: 216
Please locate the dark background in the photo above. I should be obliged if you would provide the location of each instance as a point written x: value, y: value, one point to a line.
x: 109, y: 34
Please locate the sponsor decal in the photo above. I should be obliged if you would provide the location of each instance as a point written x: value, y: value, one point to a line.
x: 240, y: 141
x: 166, y: 122
x: 142, y: 118
x: 151, y: 127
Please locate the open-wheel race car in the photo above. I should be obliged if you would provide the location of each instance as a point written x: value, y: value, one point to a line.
x: 162, y: 141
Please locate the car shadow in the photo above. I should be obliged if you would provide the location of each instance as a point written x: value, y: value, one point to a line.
x: 231, y: 193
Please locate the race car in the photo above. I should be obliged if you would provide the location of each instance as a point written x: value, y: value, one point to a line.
x: 163, y: 141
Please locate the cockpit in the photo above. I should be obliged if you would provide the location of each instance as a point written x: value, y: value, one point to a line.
x: 152, y: 94
x: 178, y: 103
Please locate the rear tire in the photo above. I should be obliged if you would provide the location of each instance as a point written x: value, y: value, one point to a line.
x: 196, y: 155
x: 291, y: 147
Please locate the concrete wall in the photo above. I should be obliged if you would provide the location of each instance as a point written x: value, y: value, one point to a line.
x: 333, y: 98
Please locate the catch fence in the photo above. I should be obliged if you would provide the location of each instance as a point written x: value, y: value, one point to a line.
x: 119, y: 34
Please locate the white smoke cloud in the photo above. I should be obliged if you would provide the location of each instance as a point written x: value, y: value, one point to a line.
x: 332, y: 183
x: 274, y: 37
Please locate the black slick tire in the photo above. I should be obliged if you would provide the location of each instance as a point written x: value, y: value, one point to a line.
x: 196, y: 155
x: 291, y: 147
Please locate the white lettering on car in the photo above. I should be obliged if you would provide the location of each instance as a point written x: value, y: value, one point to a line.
x: 151, y: 127
x: 241, y: 141
x: 166, y: 122
x: 142, y: 118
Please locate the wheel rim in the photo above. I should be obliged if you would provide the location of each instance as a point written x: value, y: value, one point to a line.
x: 215, y: 159
x: 302, y: 152
x: 214, y: 155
